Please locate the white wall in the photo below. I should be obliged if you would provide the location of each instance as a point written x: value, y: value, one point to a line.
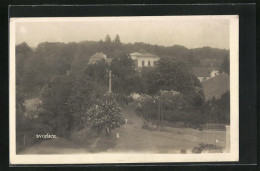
x: 152, y: 60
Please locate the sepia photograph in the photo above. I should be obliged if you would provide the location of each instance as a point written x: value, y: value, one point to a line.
x: 141, y: 89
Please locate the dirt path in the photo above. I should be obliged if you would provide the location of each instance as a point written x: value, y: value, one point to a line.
x: 135, y: 139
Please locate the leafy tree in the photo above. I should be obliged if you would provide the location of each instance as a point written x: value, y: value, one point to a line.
x: 125, y: 77
x: 217, y: 110
x: 84, y: 93
x: 23, y: 48
x: 146, y: 106
x: 105, y: 114
x: 66, y: 100
x: 54, y: 110
x: 23, y: 53
x: 20, y: 109
x: 225, y: 65
x: 98, y: 72
x: 173, y: 107
x: 173, y: 74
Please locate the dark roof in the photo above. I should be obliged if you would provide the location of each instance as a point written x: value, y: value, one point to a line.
x: 216, y: 86
x: 202, y: 71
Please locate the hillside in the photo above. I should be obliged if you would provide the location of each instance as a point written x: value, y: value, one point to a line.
x: 216, y: 86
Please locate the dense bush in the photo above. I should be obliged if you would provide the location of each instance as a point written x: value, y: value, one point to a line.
x: 171, y: 105
x: 176, y: 107
x: 105, y: 114
x: 217, y: 110
x: 172, y: 74
x: 125, y: 79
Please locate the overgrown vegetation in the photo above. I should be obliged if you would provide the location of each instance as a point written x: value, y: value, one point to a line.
x: 73, y: 92
x: 105, y: 114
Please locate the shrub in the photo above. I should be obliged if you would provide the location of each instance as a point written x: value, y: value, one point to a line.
x: 106, y: 113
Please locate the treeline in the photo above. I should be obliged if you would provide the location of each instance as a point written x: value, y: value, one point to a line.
x: 35, y: 67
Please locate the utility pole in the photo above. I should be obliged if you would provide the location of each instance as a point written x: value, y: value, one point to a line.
x: 110, y: 82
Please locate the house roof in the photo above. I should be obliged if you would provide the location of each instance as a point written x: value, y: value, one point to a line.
x: 96, y: 57
x: 143, y: 55
x: 99, y: 56
x: 216, y: 86
x: 202, y: 71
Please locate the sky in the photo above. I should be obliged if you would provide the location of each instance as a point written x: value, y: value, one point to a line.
x: 188, y: 31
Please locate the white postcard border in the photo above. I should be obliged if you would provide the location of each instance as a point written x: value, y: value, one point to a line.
x: 99, y: 158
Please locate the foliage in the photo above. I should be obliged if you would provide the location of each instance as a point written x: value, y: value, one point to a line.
x: 224, y: 67
x: 172, y: 105
x: 83, y: 94
x: 125, y: 78
x: 70, y: 86
x: 146, y: 106
x: 54, y: 111
x: 66, y: 100
x: 175, y: 75
x: 98, y: 72
x: 20, y: 109
x: 35, y: 67
x: 172, y: 74
x: 105, y: 113
x: 217, y: 110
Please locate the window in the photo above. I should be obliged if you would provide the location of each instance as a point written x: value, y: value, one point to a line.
x: 142, y: 63
x: 149, y: 64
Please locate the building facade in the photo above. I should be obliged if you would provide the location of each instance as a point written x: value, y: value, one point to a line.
x: 144, y: 59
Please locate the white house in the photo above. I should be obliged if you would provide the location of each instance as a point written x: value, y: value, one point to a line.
x: 144, y: 59
x: 204, y: 74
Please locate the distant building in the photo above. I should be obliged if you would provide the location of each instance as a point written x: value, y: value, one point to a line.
x: 144, y: 59
x: 204, y: 74
x: 99, y: 56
